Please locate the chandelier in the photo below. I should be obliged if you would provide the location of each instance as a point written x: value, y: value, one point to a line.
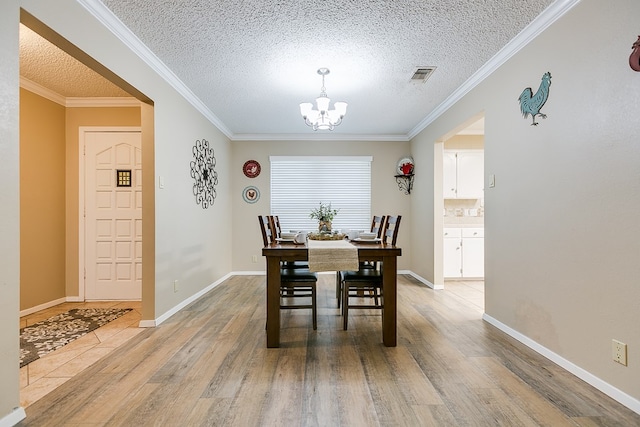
x: 323, y: 118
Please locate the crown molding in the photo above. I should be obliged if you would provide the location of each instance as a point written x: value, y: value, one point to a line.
x: 550, y: 15
x: 71, y: 102
x: 126, y: 36
x: 42, y: 91
x: 319, y: 137
x: 102, y: 102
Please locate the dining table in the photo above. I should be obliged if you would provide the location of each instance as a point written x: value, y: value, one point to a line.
x: 281, y: 251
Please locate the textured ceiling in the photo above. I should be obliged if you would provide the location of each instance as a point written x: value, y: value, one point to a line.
x: 43, y: 63
x: 252, y: 62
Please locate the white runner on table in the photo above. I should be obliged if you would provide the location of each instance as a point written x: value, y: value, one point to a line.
x: 332, y: 255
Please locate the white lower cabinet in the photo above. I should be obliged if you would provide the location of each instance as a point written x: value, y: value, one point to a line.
x: 452, y: 252
x: 463, y: 252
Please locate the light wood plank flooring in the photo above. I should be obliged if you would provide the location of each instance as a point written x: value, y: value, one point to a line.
x: 208, y: 366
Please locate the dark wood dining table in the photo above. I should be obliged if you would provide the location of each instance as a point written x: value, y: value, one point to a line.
x: 276, y: 253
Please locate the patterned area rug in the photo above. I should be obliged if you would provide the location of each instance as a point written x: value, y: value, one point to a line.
x: 57, y: 331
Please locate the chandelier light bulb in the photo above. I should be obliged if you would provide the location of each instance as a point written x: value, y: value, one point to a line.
x: 323, y: 118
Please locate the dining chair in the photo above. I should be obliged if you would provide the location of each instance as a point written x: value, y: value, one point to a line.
x: 377, y: 223
x: 276, y: 232
x: 296, y: 283
x: 356, y: 284
x: 265, y: 229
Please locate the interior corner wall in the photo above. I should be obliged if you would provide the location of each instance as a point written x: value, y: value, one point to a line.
x: 561, y: 228
x: 76, y: 117
x: 42, y: 207
x: 386, y: 198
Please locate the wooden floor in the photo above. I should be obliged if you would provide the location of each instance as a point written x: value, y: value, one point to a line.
x: 208, y: 365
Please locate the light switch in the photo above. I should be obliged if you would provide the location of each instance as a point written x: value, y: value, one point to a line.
x: 492, y: 180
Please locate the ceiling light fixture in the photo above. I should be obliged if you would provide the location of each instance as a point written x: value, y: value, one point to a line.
x: 323, y: 118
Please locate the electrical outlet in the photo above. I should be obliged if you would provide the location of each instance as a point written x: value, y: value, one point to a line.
x: 175, y: 286
x: 254, y: 258
x: 619, y: 352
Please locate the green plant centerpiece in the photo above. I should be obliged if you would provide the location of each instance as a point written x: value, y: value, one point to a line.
x: 324, y: 214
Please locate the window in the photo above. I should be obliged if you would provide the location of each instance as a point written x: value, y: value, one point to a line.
x: 299, y: 184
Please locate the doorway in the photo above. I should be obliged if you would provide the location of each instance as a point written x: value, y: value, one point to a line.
x: 461, y: 203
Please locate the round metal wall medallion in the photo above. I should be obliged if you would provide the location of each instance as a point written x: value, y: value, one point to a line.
x: 204, y: 174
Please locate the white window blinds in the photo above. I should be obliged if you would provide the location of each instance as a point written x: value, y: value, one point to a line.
x: 299, y: 184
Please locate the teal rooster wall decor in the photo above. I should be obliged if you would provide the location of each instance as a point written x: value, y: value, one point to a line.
x: 531, y: 104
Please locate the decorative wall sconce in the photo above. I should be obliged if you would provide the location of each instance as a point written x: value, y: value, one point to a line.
x: 404, y: 177
x: 634, y: 59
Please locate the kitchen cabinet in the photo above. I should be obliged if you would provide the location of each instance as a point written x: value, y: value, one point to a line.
x: 463, y: 253
x: 472, y: 252
x: 463, y: 174
x: 452, y: 253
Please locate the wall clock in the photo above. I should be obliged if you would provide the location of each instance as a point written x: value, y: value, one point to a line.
x: 251, y: 168
x: 204, y: 173
x: 251, y: 194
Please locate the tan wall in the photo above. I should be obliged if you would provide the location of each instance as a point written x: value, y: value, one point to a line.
x: 75, y: 118
x: 386, y: 199
x: 42, y: 207
x: 561, y: 227
x: 49, y: 183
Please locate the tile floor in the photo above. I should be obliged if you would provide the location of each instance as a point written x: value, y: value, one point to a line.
x: 45, y: 374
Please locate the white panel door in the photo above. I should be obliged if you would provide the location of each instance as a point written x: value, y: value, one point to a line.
x: 113, y: 216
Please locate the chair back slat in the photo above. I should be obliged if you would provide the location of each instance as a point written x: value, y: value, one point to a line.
x: 390, y: 229
x: 277, y: 230
x: 265, y: 229
x: 377, y: 224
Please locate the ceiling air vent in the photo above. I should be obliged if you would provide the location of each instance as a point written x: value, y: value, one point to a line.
x: 422, y: 74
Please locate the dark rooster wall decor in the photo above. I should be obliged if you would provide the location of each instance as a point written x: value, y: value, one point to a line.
x: 531, y: 104
x: 634, y: 59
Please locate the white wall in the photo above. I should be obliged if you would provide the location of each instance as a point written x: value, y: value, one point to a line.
x: 386, y: 199
x: 9, y: 212
x: 562, y: 235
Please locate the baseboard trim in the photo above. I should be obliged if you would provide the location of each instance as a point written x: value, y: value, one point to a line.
x: 44, y: 306
x: 248, y: 273
x: 611, y: 391
x: 183, y: 304
x: 18, y: 414
x: 421, y: 279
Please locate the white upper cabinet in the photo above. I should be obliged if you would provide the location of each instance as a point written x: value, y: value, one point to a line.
x: 449, y: 180
x: 463, y: 174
